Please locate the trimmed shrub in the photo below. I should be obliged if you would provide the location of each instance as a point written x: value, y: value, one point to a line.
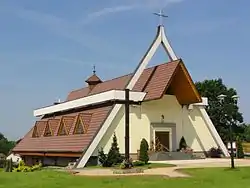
x: 2, y: 163
x: 7, y: 166
x: 138, y: 163
x: 101, y: 156
x: 182, y: 144
x: 215, y: 152
x: 11, y: 165
x: 103, y: 159
x: 114, y: 157
x: 240, y: 152
x: 143, y: 155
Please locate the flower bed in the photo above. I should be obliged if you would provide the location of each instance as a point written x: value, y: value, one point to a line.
x: 128, y: 171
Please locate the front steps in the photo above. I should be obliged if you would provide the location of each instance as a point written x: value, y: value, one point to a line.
x: 165, y: 156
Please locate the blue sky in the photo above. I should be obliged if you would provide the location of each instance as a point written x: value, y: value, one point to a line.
x: 49, y: 47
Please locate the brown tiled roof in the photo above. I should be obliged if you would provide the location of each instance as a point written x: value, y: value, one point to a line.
x: 53, y: 123
x: 68, y: 143
x: 93, y: 79
x: 153, y: 80
x: 40, y: 126
x: 68, y: 122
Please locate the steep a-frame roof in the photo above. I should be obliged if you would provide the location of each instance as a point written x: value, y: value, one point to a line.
x: 154, y: 81
x: 171, y: 78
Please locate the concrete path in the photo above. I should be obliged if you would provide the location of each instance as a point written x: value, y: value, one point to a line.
x: 169, y: 171
x: 200, y: 163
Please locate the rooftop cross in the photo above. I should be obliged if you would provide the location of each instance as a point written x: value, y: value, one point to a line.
x: 161, y: 15
x: 94, y: 71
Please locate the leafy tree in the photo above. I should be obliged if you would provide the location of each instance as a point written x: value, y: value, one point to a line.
x: 143, y: 155
x: 240, y: 152
x: 217, y: 112
x: 5, y: 145
x: 246, y: 133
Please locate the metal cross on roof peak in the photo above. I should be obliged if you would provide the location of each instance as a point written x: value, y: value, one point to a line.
x: 161, y: 16
x: 94, y: 71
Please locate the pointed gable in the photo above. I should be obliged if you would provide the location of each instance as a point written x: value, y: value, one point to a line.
x: 54, y: 124
x: 82, y: 123
x: 68, y: 122
x: 47, y: 131
x: 39, y: 130
x: 182, y: 86
x: 62, y: 129
x: 35, y: 132
x: 79, y: 128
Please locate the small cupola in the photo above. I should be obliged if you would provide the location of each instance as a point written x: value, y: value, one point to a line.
x: 93, y: 80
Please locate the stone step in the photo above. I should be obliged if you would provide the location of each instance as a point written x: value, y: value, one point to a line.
x: 164, y: 156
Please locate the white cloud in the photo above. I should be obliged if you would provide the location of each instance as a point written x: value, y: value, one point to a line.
x: 109, y: 10
x: 130, y: 6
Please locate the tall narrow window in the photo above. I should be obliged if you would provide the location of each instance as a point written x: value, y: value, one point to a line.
x: 47, y: 131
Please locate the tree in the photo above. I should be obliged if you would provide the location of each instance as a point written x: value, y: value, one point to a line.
x: 103, y: 159
x: 114, y: 157
x: 246, y: 133
x: 182, y: 144
x: 212, y: 89
x: 114, y: 154
x: 240, y: 152
x: 5, y: 145
x: 143, y: 155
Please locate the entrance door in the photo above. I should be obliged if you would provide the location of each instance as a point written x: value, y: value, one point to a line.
x: 162, y: 139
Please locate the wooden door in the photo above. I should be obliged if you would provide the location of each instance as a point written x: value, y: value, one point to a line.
x: 163, y: 139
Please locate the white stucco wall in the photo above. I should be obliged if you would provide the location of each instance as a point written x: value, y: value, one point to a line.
x: 189, y: 123
x: 196, y: 132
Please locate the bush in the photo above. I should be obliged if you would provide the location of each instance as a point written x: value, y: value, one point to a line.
x: 240, y: 152
x: 23, y: 168
x: 2, y: 163
x: 138, y: 163
x: 114, y: 157
x: 215, y: 152
x: 126, y: 164
x: 182, y: 144
x: 101, y: 156
x: 143, y: 155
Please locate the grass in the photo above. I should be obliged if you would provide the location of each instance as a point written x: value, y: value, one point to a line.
x: 149, y: 165
x: 159, y: 165
x: 205, y: 178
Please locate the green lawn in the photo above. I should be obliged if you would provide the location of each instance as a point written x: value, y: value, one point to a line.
x: 205, y: 178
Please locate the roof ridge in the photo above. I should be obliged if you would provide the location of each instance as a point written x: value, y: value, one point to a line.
x: 129, y: 74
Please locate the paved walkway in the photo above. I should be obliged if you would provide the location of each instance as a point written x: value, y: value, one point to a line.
x: 169, y: 171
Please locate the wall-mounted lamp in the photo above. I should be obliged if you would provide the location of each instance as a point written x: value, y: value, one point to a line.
x: 162, y: 118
